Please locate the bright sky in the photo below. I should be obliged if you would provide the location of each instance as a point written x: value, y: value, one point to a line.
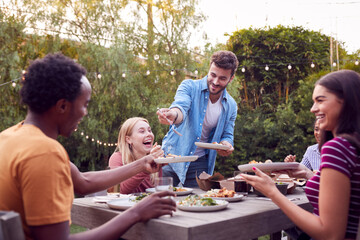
x: 337, y: 18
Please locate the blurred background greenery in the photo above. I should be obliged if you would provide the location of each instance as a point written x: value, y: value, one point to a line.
x: 136, y: 54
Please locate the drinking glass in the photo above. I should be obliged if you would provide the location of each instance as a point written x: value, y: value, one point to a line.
x: 240, y: 185
x: 163, y: 184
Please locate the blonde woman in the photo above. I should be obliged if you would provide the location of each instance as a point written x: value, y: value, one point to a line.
x: 135, y: 141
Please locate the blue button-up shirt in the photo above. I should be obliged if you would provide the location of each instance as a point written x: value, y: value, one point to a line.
x: 191, y: 98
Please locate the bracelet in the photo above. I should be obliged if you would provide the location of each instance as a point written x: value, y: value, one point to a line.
x: 175, y: 117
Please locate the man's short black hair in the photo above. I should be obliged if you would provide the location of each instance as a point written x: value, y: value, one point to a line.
x: 50, y: 79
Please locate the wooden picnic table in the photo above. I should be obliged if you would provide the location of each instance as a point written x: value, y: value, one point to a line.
x: 249, y: 218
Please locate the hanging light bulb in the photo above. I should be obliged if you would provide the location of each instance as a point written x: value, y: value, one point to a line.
x: 243, y: 69
x: 23, y: 71
x: 289, y: 66
x: 357, y: 62
x: 172, y: 72
x: 123, y: 75
x: 156, y: 57
x: 99, y: 75
x: 196, y: 72
x: 334, y: 64
x: 87, y: 137
x: 312, y: 65
x: 13, y: 84
x: 266, y: 68
x: 148, y: 72
x: 92, y: 140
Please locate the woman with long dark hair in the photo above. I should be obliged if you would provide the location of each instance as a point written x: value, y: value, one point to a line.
x: 334, y: 191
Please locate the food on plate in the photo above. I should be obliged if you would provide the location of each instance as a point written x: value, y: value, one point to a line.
x: 215, y: 143
x: 268, y: 161
x: 179, y: 189
x: 172, y: 155
x: 253, y: 161
x: 140, y: 197
x: 220, y: 193
x: 197, y: 201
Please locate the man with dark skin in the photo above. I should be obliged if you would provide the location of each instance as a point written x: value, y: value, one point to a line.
x: 38, y: 179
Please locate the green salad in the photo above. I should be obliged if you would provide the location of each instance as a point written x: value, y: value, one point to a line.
x: 197, y: 201
x: 140, y: 197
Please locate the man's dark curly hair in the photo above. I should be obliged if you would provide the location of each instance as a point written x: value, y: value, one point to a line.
x: 226, y: 60
x: 50, y: 79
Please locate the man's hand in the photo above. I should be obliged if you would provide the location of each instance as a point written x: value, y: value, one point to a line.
x: 165, y: 115
x: 225, y: 153
x: 154, y: 206
x: 149, y: 165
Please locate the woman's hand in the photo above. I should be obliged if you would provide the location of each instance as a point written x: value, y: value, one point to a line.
x: 301, y: 172
x: 261, y: 182
x: 156, y: 151
x: 290, y: 158
x: 154, y: 206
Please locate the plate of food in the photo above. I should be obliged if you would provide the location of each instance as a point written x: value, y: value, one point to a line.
x: 269, y: 167
x: 125, y: 203
x: 213, y: 145
x: 195, y: 203
x: 170, y: 158
x: 179, y: 191
x: 223, y: 194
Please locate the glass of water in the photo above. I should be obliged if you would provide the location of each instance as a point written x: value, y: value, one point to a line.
x: 163, y: 184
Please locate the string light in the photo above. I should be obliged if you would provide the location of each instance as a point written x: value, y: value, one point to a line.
x: 148, y: 72
x: 357, y: 62
x: 289, y: 66
x: 266, y: 68
x: 334, y: 64
x: 13, y: 84
x: 23, y: 71
x: 123, y: 75
x: 312, y: 65
x: 243, y: 69
x: 172, y: 72
x: 196, y: 72
x: 99, y: 76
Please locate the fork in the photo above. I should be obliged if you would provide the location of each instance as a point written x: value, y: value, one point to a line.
x: 172, y: 125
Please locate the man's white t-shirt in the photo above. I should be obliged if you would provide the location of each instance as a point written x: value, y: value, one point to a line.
x: 212, y: 115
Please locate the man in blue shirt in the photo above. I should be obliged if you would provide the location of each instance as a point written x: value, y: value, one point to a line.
x: 203, y: 111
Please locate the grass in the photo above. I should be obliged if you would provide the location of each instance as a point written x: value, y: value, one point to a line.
x: 76, y: 229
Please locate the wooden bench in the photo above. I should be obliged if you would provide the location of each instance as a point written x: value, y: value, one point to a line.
x: 10, y: 226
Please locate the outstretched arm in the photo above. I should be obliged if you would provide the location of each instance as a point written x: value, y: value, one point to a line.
x: 152, y: 206
x: 90, y: 182
x: 333, y: 208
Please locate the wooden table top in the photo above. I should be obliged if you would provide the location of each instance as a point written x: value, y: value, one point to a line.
x: 249, y: 218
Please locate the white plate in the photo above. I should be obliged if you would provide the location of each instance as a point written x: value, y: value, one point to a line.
x: 212, y: 146
x: 268, y: 167
x: 235, y: 198
x: 188, y: 191
x: 176, y: 159
x: 221, y: 205
x: 121, y: 204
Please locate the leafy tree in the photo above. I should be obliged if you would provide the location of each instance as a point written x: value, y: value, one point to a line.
x: 276, y: 48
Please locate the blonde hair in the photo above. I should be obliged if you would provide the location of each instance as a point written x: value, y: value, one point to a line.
x: 127, y: 155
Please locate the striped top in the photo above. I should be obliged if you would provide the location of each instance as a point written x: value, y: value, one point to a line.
x: 338, y: 154
x: 311, y: 158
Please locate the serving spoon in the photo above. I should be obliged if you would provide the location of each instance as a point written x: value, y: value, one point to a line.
x: 171, y: 123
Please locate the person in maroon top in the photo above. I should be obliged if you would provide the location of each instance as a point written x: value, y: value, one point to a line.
x: 134, y: 142
x: 334, y: 191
